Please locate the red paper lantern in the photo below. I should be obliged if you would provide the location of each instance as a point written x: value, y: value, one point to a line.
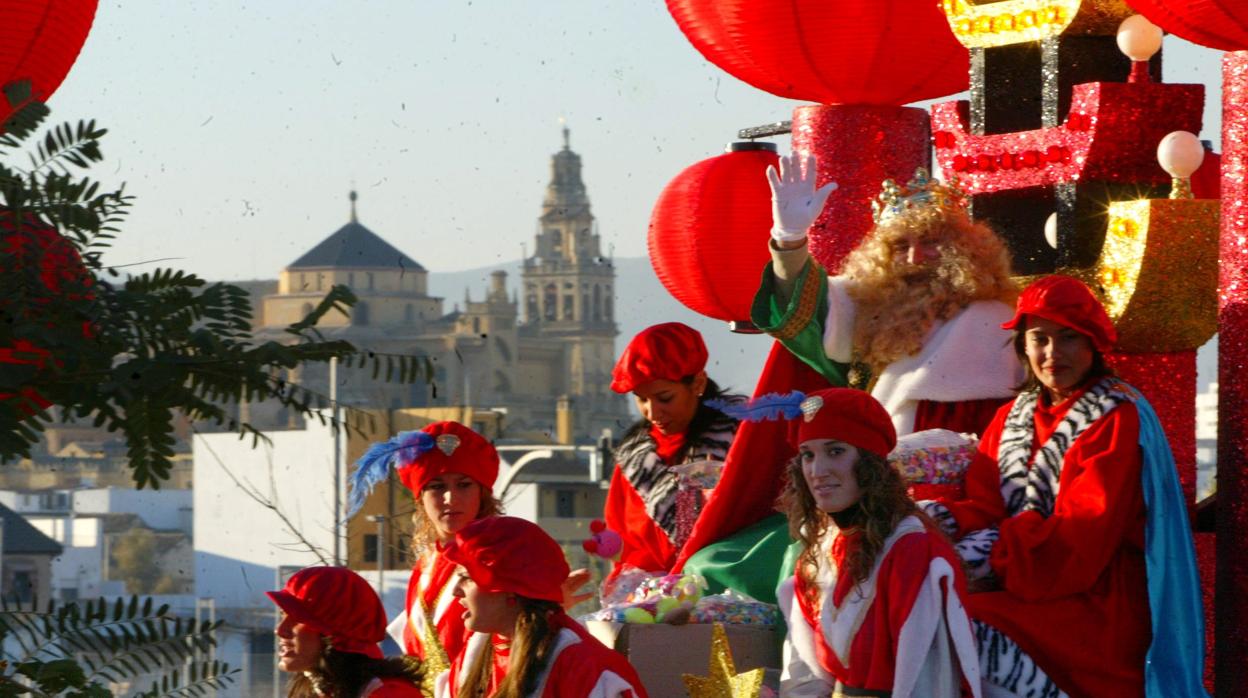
x: 884, y: 52
x: 1220, y: 24
x: 39, y: 41
x: 709, y: 231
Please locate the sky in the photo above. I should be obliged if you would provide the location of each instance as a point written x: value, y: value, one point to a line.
x: 241, y: 126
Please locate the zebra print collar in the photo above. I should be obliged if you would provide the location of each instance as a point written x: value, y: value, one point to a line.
x: 1035, y: 488
x: 655, y: 482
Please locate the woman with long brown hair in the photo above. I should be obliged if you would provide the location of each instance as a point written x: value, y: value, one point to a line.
x: 874, y: 606
x: 525, y: 646
x: 327, y: 638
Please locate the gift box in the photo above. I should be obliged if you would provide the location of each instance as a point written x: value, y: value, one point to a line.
x: 661, y: 653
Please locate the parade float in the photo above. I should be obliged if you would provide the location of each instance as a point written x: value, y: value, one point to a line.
x: 1070, y: 145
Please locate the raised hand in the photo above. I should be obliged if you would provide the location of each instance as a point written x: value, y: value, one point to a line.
x: 795, y: 202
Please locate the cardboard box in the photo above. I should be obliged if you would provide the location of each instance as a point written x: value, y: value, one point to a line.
x: 662, y: 652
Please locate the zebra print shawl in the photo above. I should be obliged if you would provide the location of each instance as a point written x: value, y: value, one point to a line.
x: 1035, y: 488
x: 657, y: 483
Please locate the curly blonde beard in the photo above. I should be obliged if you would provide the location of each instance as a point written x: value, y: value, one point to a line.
x: 897, y: 303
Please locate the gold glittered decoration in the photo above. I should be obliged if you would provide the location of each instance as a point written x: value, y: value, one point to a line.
x: 435, y: 660
x: 1158, y: 273
x: 1002, y: 23
x: 724, y: 681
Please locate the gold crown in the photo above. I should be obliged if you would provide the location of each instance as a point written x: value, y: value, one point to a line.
x: 920, y: 192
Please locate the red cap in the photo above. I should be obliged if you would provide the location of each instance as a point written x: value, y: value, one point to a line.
x: 848, y: 415
x: 1068, y: 302
x: 458, y: 450
x: 338, y: 603
x: 506, y: 554
x: 669, y: 351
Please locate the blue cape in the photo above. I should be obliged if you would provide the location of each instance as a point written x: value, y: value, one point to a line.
x: 1175, y: 662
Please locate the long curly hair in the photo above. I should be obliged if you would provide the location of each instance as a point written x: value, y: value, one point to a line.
x: 425, y: 534
x: 883, y: 504
x: 345, y: 674
x: 531, y: 647
x: 897, y: 304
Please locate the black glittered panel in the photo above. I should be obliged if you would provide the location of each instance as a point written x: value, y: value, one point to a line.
x: 1074, y: 60
x: 1018, y: 216
x: 1006, y: 88
x: 1083, y: 214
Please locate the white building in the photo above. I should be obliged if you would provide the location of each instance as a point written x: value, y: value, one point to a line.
x: 1206, y: 441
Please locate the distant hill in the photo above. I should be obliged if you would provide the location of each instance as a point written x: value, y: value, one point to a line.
x: 641, y: 300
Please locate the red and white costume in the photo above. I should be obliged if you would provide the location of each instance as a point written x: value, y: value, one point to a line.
x: 390, y: 688
x: 903, y: 631
x: 432, y: 612
x: 580, y: 667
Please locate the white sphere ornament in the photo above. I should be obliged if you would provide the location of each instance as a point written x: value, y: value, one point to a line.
x: 1180, y: 154
x: 1139, y: 38
x: 1050, y: 230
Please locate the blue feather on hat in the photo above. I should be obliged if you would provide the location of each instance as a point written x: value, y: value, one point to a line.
x: 374, y: 466
x: 764, y: 407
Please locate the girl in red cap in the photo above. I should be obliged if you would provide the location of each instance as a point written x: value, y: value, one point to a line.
x: 510, y: 584
x: 874, y: 606
x: 664, y: 367
x: 327, y: 638
x: 1083, y: 547
x: 450, y: 470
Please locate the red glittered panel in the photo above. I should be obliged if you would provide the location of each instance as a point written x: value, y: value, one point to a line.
x: 40, y: 40
x: 1168, y: 380
x: 1220, y: 24
x: 858, y: 148
x: 709, y: 231
x: 1232, y: 554
x: 1110, y: 135
x: 846, y: 52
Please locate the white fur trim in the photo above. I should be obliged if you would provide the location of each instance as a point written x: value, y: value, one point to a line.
x: 967, y: 357
x: 476, y: 644
x: 802, y: 676
x: 924, y: 664
x: 442, y: 685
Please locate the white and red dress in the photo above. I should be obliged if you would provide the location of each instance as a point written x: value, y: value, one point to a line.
x: 579, y: 667
x: 432, y: 624
x: 903, y: 632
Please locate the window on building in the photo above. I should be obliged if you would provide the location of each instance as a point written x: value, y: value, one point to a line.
x: 409, y: 314
x: 597, y: 302
x: 370, y: 280
x: 550, y: 300
x: 568, y: 307
x: 370, y: 547
x: 565, y: 504
x: 351, y: 279
x: 476, y: 325
x: 359, y: 314
x: 24, y: 585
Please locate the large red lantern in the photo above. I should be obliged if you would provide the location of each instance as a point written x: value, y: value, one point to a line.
x: 884, y: 52
x: 709, y: 231
x: 1220, y: 24
x: 39, y: 42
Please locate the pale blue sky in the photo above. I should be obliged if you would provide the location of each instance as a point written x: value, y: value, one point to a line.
x: 241, y: 126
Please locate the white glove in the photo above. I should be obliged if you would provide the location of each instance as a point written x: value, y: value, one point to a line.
x: 795, y: 203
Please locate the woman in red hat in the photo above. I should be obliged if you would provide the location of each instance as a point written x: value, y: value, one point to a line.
x: 1081, y: 528
x: 511, y: 587
x: 664, y: 367
x: 874, y: 606
x: 450, y: 470
x: 327, y: 638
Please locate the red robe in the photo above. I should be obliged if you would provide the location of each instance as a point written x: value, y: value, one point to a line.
x: 580, y: 667
x: 429, y: 596
x: 391, y: 688
x: 1075, y: 590
x: 643, y: 543
x: 895, y: 632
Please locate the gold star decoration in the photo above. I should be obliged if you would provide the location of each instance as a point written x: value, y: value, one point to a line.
x: 435, y: 660
x: 724, y: 681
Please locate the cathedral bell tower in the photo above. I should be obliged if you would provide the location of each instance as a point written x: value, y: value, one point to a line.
x: 569, y: 290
